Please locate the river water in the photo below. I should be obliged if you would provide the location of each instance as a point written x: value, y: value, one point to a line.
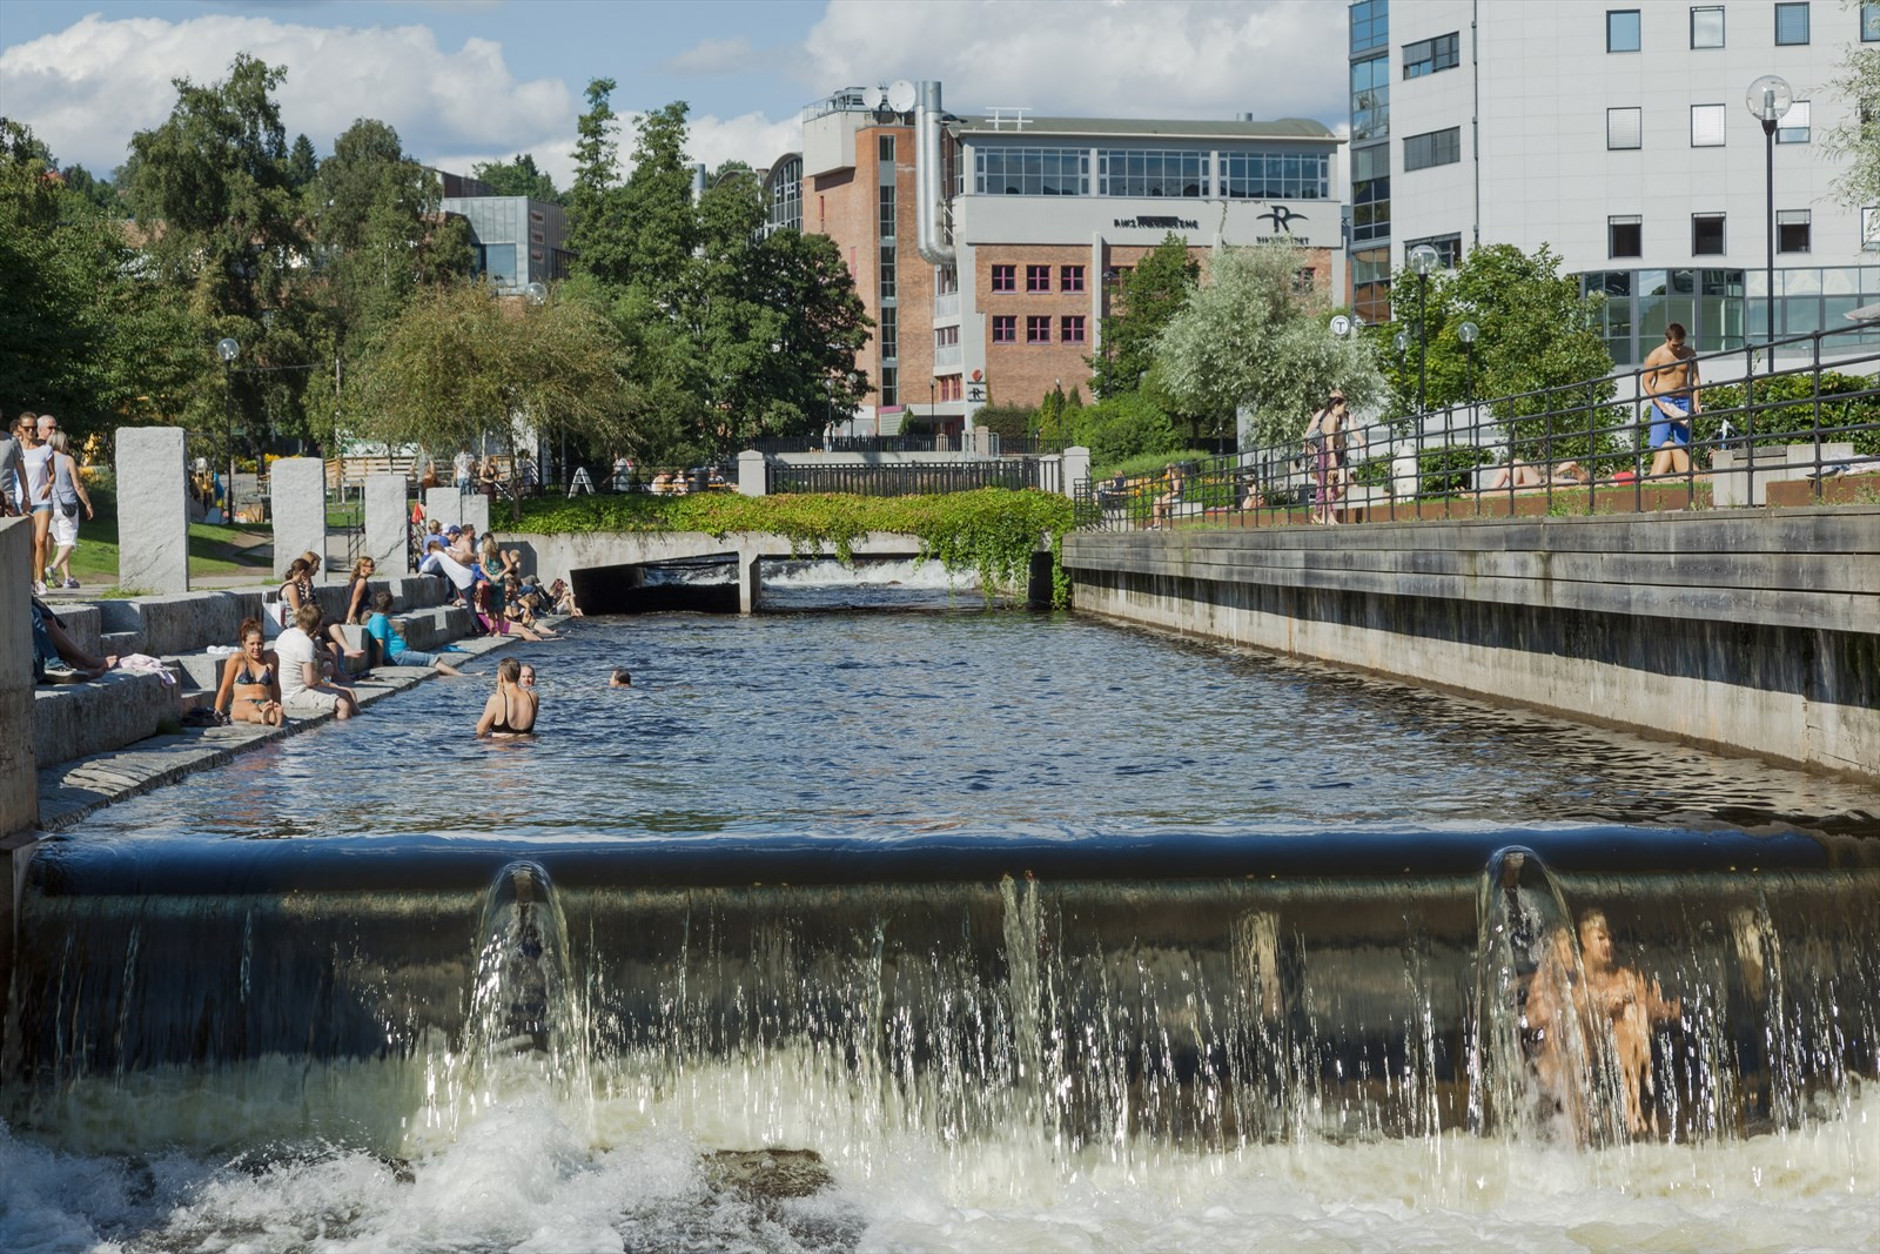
x: 877, y: 1025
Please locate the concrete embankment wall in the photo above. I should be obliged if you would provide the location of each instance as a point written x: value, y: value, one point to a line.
x: 1755, y: 633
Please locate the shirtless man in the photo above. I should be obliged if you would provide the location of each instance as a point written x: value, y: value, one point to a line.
x: 1669, y: 378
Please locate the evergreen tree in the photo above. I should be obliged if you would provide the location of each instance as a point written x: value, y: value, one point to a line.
x: 1146, y: 299
x: 596, y: 223
x: 302, y: 164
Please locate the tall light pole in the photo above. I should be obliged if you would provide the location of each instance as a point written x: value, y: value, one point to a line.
x: 228, y: 350
x: 1467, y: 333
x: 1423, y: 260
x: 1769, y: 98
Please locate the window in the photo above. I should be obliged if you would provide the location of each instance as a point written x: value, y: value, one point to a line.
x: 1432, y: 55
x: 1625, y: 237
x: 1005, y: 278
x: 1370, y: 193
x: 885, y: 212
x: 1707, y: 27
x: 1707, y: 235
x: 1070, y: 278
x: 887, y: 271
x: 1420, y: 152
x: 1869, y: 21
x: 1791, y: 24
x: 1370, y: 98
x: 1792, y: 127
x: 1707, y: 123
x: 1305, y: 280
x: 1370, y: 284
x: 1031, y: 171
x: 1038, y: 329
x: 1005, y: 328
x: 1071, y: 328
x: 1152, y: 172
x: 1793, y: 227
x: 887, y: 333
x: 952, y: 387
x: 944, y: 337
x: 1448, y: 249
x: 884, y: 149
x: 1275, y: 176
x: 946, y: 281
x: 1622, y: 30
x: 890, y: 387
x: 1037, y: 278
x: 1624, y: 127
x: 1870, y: 229
x: 1370, y: 25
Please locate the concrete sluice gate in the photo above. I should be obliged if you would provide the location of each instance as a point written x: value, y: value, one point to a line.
x: 1207, y: 994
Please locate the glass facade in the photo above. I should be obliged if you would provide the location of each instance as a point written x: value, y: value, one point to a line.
x: 1276, y: 176
x: 1031, y: 171
x: 1370, y: 25
x: 1370, y: 98
x: 514, y: 240
x: 1725, y: 309
x: 786, y: 195
x: 1171, y: 172
x: 1370, y: 193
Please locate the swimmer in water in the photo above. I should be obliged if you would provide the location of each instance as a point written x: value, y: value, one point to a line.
x: 512, y: 708
x: 620, y: 678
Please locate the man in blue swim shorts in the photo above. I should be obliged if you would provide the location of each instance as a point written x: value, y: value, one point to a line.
x: 1669, y: 378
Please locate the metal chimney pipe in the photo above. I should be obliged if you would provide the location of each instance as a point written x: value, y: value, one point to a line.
x: 930, y: 180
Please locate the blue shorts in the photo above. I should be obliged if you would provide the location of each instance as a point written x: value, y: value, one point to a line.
x: 415, y: 657
x: 1667, y: 430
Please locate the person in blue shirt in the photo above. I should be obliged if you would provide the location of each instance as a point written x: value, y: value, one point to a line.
x: 392, y: 645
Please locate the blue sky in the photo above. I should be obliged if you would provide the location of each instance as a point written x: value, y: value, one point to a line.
x: 481, y: 79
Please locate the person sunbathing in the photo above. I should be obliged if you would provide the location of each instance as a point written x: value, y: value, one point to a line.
x: 1517, y: 475
x: 250, y: 691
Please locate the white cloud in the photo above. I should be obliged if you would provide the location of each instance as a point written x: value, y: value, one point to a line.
x: 1126, y: 58
x: 716, y: 56
x: 85, y: 89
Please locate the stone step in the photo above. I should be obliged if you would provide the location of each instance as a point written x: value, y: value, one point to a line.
x: 120, y: 643
x: 76, y: 720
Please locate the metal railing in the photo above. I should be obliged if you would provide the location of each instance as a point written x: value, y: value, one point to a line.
x: 1598, y: 446
x: 908, y: 443
x: 905, y: 479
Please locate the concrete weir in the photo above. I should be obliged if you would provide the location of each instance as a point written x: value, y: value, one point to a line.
x: 1749, y: 633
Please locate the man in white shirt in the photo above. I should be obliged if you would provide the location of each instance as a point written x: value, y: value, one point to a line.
x: 303, y: 690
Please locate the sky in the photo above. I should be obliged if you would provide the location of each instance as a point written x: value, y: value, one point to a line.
x: 464, y: 81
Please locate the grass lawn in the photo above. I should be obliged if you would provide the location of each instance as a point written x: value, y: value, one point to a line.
x: 215, y: 552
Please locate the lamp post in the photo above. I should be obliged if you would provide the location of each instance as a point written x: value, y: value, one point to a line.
x: 1769, y: 98
x: 228, y: 350
x: 1423, y: 259
x: 1467, y: 333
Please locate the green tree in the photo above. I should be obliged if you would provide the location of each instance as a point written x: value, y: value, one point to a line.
x: 661, y: 228
x: 1118, y: 428
x: 1146, y: 298
x: 460, y: 364
x: 597, y: 229
x: 302, y: 163
x: 1539, y: 346
x: 519, y: 177
x: 1856, y: 139
x: 100, y: 192
x: 1250, y: 338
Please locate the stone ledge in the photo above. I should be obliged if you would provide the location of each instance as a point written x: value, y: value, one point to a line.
x: 77, y: 720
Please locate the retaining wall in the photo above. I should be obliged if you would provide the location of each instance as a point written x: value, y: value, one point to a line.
x: 1747, y: 633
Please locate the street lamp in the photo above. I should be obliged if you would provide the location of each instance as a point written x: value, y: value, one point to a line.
x: 1423, y: 259
x: 228, y: 350
x: 1769, y: 98
x: 1467, y: 333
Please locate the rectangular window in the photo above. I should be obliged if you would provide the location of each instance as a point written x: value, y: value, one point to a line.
x: 1005, y: 328
x: 1005, y: 278
x: 1624, y: 128
x: 1305, y: 280
x: 1370, y: 25
x: 887, y: 334
x: 946, y: 281
x: 885, y: 212
x: 1031, y: 171
x: 1070, y: 278
x: 944, y: 337
x: 1420, y: 152
x: 1707, y: 27
x: 1792, y: 127
x: 1071, y: 328
x: 1169, y: 172
x: 1707, y: 235
x: 887, y: 272
x: 1370, y: 99
x: 1793, y: 228
x: 1370, y: 284
x: 1038, y: 329
x: 1370, y: 193
x: 1037, y: 278
x: 890, y: 387
x: 884, y: 149
x: 1432, y: 56
x: 1870, y: 21
x: 1707, y: 125
x: 1448, y: 249
x: 1276, y: 176
x: 1622, y: 30
x: 1625, y: 236
x: 1791, y: 24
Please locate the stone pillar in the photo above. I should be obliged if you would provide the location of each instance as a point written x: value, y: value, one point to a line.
x: 297, y: 501
x: 453, y: 508
x: 750, y: 584
x: 1074, y: 469
x: 387, y: 522
x: 19, y: 790
x: 153, y: 510
x: 752, y: 473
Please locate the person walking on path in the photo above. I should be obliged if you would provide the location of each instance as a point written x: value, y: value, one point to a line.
x: 1669, y: 377
x: 68, y: 494
x: 1325, y: 440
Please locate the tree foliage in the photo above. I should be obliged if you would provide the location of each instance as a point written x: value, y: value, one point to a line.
x: 1856, y: 139
x: 1251, y: 338
x: 517, y: 177
x: 1146, y: 299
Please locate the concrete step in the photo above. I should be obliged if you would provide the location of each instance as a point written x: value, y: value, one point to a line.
x: 75, y: 720
x: 120, y: 643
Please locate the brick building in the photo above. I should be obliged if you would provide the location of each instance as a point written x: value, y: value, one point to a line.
x: 987, y: 247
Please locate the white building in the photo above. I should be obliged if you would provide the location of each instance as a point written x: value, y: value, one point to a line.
x: 1617, y: 133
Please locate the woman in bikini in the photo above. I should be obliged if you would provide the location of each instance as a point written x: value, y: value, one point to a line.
x: 511, y: 709
x: 251, y: 682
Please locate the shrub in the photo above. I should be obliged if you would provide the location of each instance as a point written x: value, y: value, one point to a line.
x: 1791, y: 418
x: 1119, y: 428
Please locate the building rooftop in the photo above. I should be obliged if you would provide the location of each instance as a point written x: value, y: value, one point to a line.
x: 1019, y: 122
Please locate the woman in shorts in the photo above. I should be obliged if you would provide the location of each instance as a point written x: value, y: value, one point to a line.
x: 68, y: 495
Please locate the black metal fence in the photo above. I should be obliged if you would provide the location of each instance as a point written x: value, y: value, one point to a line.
x: 909, y: 443
x: 904, y: 479
x: 1599, y: 446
